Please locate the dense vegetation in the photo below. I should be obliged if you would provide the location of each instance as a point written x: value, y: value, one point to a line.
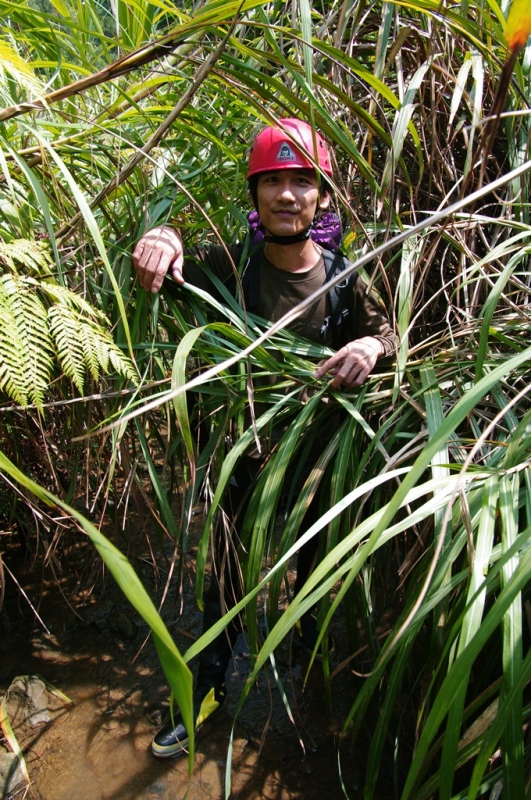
x: 119, y: 117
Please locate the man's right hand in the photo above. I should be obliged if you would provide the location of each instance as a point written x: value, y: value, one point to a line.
x: 157, y: 252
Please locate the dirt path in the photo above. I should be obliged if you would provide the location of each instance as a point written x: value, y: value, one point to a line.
x: 99, y: 747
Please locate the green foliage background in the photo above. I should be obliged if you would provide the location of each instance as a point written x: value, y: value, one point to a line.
x: 119, y: 117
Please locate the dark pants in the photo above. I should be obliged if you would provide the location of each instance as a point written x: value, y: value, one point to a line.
x: 225, y: 583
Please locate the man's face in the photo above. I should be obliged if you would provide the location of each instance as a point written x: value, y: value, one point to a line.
x: 287, y: 200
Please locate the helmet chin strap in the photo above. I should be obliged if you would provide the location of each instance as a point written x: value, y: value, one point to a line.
x: 297, y: 237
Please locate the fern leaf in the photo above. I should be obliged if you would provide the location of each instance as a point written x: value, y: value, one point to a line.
x: 101, y: 349
x: 25, y: 345
x: 82, y: 344
x: 64, y: 329
x: 122, y: 364
x: 61, y: 294
x: 32, y: 255
x: 96, y: 357
x: 31, y: 335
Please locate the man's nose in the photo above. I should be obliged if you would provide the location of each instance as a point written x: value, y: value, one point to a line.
x: 286, y: 190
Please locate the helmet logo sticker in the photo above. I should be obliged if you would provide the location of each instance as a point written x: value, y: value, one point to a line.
x: 285, y: 154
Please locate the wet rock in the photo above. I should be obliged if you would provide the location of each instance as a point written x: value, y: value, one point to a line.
x: 12, y: 778
x: 97, y: 614
x: 108, y: 616
x: 122, y: 624
x: 27, y: 698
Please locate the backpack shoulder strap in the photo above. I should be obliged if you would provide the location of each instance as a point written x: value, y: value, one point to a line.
x: 339, y: 296
x: 251, y: 278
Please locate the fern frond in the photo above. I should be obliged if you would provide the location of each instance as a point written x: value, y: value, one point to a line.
x: 31, y: 334
x: 32, y: 255
x: 25, y: 345
x: 101, y: 350
x: 82, y: 344
x: 122, y: 364
x: 64, y: 329
x: 95, y: 356
x: 61, y: 294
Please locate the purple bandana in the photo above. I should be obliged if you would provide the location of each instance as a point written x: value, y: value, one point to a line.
x: 326, y: 230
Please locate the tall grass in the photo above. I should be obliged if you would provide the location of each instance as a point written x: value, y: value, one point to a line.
x: 115, y: 122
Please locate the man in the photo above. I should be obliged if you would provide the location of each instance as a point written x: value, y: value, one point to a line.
x: 290, y: 196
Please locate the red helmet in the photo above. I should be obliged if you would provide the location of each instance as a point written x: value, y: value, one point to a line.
x: 275, y: 148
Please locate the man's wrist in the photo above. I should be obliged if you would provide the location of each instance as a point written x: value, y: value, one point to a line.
x: 376, y: 343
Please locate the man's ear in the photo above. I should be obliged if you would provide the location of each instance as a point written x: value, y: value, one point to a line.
x: 252, y: 186
x: 324, y: 201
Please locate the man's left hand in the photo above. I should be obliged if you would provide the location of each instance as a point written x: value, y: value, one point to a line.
x: 351, y: 365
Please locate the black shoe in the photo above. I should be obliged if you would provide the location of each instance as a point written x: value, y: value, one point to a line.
x: 173, y: 739
x: 307, y: 628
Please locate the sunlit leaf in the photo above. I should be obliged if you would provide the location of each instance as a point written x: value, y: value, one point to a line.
x: 518, y: 25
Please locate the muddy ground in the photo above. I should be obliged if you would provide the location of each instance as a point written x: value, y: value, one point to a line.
x: 92, y: 646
